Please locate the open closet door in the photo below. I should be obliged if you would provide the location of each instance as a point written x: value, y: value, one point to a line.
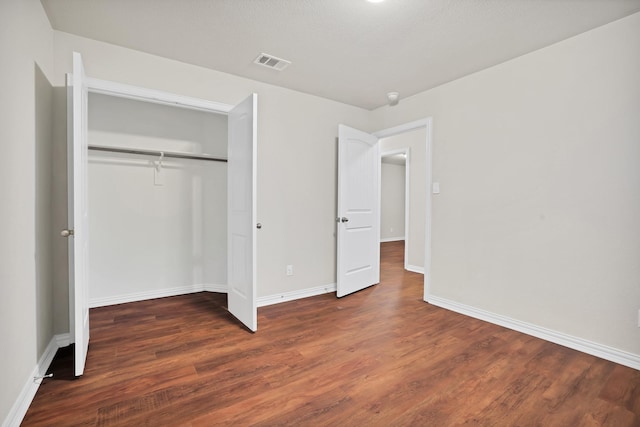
x: 78, y: 210
x: 241, y: 237
x: 358, y: 252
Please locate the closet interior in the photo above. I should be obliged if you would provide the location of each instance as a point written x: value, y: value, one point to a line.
x: 157, y: 197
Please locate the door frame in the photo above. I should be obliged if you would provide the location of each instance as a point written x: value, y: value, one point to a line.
x: 407, y: 165
x: 425, y: 123
x: 121, y: 90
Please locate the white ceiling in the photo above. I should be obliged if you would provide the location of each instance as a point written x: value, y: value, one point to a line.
x: 351, y: 51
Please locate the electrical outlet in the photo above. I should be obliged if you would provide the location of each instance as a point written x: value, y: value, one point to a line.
x: 289, y: 270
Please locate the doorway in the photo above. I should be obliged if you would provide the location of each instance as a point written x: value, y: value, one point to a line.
x: 358, y: 214
x: 416, y: 138
x: 394, y: 199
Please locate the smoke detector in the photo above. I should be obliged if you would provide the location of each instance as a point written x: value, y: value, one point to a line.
x: 393, y: 98
x: 272, y: 62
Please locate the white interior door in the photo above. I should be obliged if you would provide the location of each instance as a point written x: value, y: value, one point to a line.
x: 241, y: 238
x: 78, y: 214
x: 358, y: 254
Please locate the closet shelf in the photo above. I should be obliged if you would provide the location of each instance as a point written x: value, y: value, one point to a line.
x: 192, y: 156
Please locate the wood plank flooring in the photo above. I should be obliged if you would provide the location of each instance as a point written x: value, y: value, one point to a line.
x: 380, y: 357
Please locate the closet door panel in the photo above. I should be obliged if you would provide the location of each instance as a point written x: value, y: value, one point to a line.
x: 78, y: 214
x: 242, y: 134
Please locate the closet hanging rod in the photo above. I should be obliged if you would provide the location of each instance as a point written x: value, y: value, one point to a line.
x: 156, y: 153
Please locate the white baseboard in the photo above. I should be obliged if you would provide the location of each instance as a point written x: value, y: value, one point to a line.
x: 294, y: 295
x: 221, y: 289
x: 595, y: 349
x: 28, y: 392
x: 391, y: 239
x: 414, y: 268
x: 63, y: 340
x: 156, y: 293
x: 208, y: 287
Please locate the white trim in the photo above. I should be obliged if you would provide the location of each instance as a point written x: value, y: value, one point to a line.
x: 427, y: 208
x: 406, y: 127
x: 414, y: 269
x: 207, y: 287
x: 220, y: 289
x: 30, y: 388
x: 392, y: 239
x: 155, y: 293
x: 294, y: 295
x: 63, y: 340
x: 599, y: 350
x: 137, y: 93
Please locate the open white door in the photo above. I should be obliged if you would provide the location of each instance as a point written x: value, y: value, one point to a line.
x: 358, y: 254
x: 78, y: 213
x: 241, y: 237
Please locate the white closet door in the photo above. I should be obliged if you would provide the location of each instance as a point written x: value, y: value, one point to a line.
x: 78, y: 214
x: 358, y: 252
x: 241, y: 234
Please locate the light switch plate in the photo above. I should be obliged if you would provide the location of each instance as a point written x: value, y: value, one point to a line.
x: 436, y: 188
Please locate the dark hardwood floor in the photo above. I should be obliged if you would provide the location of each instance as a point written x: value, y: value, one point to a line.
x: 380, y: 357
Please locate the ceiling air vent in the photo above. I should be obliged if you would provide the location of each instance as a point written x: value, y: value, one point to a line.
x: 272, y: 62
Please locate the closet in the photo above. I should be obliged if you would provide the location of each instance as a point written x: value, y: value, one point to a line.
x: 162, y: 198
x: 158, y: 224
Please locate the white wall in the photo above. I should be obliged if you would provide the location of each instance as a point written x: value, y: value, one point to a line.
x: 539, y: 213
x: 416, y: 142
x: 149, y: 240
x: 44, y: 233
x: 392, y: 200
x: 537, y: 157
x: 296, y: 156
x: 59, y: 217
x: 25, y: 44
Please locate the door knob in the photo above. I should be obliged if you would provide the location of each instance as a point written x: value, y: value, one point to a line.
x: 344, y: 219
x: 66, y: 233
x: 258, y: 226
